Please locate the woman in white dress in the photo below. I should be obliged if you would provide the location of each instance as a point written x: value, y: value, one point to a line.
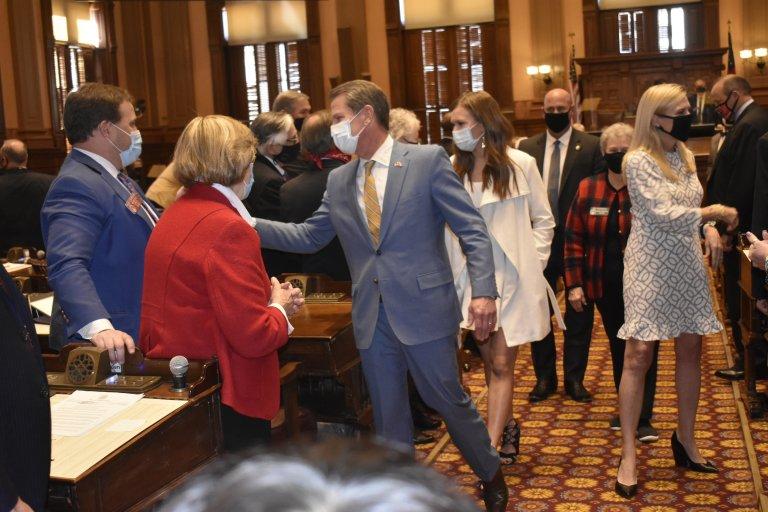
x: 506, y: 187
x: 666, y: 292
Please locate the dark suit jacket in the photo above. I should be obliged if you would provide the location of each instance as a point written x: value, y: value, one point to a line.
x: 22, y: 193
x: 582, y: 159
x: 709, y: 116
x: 299, y: 198
x: 733, y: 176
x: 95, y: 249
x: 264, y: 203
x: 25, y: 413
x: 760, y: 210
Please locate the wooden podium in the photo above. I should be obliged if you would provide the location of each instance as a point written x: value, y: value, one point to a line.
x: 754, y: 402
x: 115, y: 471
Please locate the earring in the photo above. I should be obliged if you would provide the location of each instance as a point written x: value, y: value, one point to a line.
x: 482, y: 141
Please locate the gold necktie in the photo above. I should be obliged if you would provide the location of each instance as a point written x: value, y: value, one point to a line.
x: 371, y: 201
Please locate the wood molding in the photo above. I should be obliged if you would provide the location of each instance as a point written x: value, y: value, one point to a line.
x: 217, y: 47
x: 177, y: 52
x: 312, y: 67
x: 395, y: 48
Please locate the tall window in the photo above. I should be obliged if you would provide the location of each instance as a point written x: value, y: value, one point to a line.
x: 259, y: 61
x: 440, y: 47
x: 671, y: 26
x: 631, y: 24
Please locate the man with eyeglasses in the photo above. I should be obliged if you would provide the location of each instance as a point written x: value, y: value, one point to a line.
x: 564, y: 156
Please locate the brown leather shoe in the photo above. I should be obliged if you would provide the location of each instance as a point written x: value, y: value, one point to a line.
x: 495, y: 493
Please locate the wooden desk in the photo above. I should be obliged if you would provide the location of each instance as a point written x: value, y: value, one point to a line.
x: 331, y: 384
x: 150, y: 463
x: 751, y: 334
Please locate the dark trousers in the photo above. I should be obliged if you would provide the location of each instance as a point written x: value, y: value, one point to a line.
x: 544, y: 354
x: 733, y: 295
x: 241, y: 432
x: 434, y: 370
x: 579, y: 336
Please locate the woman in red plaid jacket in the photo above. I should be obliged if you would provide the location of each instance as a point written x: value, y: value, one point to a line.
x: 596, y: 233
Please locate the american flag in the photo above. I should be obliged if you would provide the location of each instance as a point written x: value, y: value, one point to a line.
x: 574, y: 83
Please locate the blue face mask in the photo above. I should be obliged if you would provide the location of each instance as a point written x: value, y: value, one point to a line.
x: 248, y: 184
x: 130, y: 155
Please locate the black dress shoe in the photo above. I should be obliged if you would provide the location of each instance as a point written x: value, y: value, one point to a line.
x: 420, y: 437
x: 495, y: 493
x: 423, y: 420
x: 625, y: 491
x: 578, y: 392
x: 541, y: 391
x: 684, y: 461
x: 735, y: 372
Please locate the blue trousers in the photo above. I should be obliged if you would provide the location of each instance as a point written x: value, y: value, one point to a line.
x: 434, y: 370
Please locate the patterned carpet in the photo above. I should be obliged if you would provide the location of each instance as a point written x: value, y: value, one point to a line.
x: 569, y: 455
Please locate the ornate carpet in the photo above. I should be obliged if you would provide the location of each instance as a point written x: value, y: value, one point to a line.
x: 568, y: 454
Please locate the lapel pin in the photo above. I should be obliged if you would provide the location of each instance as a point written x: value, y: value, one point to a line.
x: 578, y: 147
x: 398, y: 164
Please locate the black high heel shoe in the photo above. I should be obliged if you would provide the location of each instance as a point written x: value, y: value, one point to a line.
x: 510, y: 436
x: 625, y: 491
x: 684, y: 461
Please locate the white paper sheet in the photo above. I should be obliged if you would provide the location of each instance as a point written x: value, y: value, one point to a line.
x: 83, y: 410
x: 44, y: 306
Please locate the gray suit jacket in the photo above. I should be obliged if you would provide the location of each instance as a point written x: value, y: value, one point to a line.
x: 409, y: 269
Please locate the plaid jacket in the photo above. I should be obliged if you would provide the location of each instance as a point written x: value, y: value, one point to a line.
x: 585, y: 233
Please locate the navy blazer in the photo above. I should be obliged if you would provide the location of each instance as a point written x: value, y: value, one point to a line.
x: 95, y: 247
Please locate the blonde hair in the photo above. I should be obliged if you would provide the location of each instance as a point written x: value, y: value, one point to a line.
x: 657, y: 100
x: 213, y: 149
x: 401, y: 122
x: 615, y: 131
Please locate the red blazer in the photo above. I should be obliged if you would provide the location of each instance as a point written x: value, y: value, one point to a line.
x: 206, y: 294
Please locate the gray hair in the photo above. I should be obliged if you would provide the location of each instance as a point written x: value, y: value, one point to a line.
x: 615, y: 131
x: 342, y: 478
x: 401, y: 122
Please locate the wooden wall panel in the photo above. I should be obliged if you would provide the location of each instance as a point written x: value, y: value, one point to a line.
x: 218, y: 56
x: 312, y: 69
x: 25, y: 51
x: 177, y: 51
x: 137, y: 48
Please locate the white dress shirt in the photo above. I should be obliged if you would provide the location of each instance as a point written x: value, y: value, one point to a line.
x: 379, y: 172
x: 238, y: 205
x: 275, y: 163
x: 741, y: 109
x: 91, y: 329
x: 550, y: 147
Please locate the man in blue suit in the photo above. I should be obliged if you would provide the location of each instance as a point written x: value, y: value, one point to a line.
x: 96, y: 223
x: 389, y: 209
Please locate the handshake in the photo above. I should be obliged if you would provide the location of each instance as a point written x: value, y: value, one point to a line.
x: 290, y: 298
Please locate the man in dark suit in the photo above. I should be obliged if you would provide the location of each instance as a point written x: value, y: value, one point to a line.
x: 301, y: 196
x: 297, y: 105
x: 732, y: 183
x: 25, y: 428
x: 564, y: 156
x: 701, y: 104
x: 96, y: 223
x: 22, y: 193
x: 275, y: 132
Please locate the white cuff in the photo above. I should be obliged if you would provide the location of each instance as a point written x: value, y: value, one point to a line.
x: 282, y: 310
x: 92, y: 329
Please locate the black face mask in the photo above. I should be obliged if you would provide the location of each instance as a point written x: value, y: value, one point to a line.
x: 701, y: 89
x: 681, y: 126
x: 557, y: 121
x: 614, y: 161
x: 289, y: 153
x: 298, y: 123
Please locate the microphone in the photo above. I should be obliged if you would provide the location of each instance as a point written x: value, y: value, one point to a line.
x: 179, y: 366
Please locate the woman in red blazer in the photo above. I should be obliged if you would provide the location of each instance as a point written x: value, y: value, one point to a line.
x: 206, y: 292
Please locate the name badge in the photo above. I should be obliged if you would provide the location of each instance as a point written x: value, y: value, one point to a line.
x: 133, y: 203
x: 599, y: 211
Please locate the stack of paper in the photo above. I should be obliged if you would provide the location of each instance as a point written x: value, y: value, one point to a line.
x: 83, y: 410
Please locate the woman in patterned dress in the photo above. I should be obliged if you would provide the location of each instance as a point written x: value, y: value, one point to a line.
x: 666, y: 291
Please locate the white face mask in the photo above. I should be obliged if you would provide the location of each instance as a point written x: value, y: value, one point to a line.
x: 248, y: 184
x: 130, y: 155
x: 342, y: 135
x: 464, y: 140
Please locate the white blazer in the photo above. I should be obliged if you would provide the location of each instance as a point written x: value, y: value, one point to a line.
x: 521, y: 226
